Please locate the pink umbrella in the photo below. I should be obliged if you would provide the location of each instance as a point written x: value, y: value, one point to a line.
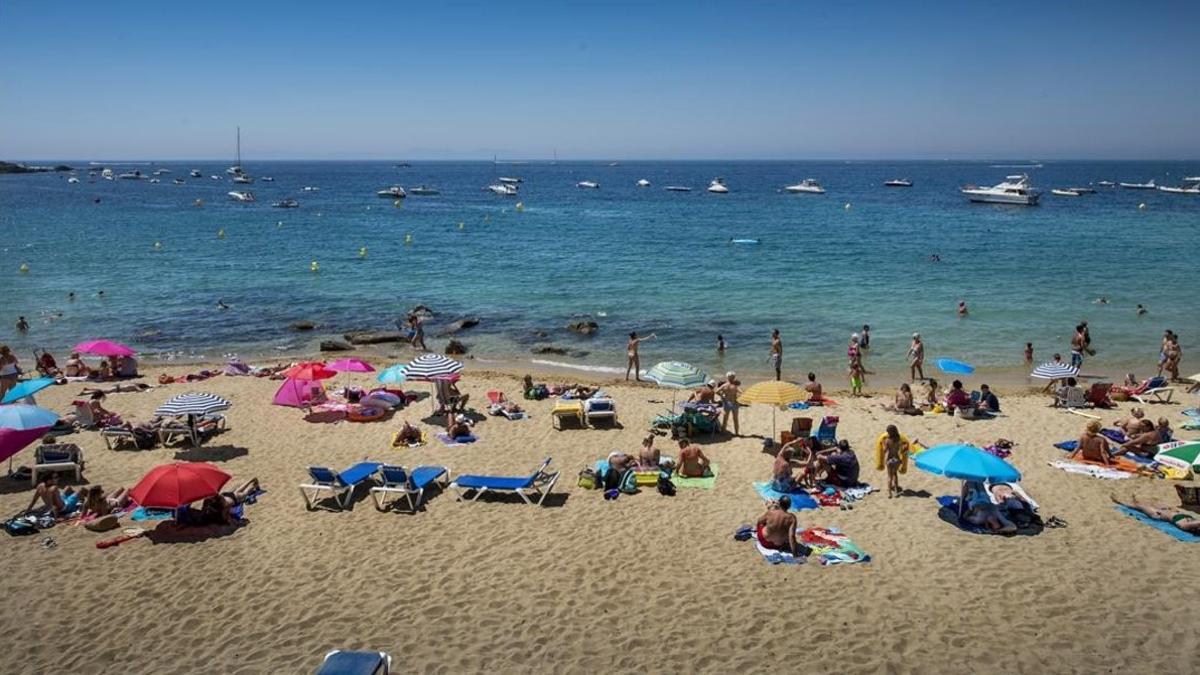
x: 351, y: 366
x: 103, y: 348
x: 297, y: 393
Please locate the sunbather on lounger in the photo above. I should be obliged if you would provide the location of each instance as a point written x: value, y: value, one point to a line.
x: 58, y: 502
x: 1092, y: 446
x: 776, y: 529
x: 1184, y: 520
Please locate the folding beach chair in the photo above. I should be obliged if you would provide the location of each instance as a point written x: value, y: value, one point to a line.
x: 195, y: 431
x: 532, y: 488
x: 339, y: 662
x: 1071, y: 397
x: 396, y: 480
x: 600, y: 408
x: 1155, y: 388
x: 57, y: 457
x: 827, y: 432
x: 566, y: 409
x: 339, y: 486
x: 1098, y: 395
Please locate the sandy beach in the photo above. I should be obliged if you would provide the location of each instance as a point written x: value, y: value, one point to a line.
x: 645, y: 583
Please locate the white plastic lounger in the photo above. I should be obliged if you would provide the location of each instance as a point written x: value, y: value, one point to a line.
x: 1159, y: 394
x: 204, y: 426
x: 410, y: 486
x: 600, y: 408
x: 115, y: 437
x: 532, y: 488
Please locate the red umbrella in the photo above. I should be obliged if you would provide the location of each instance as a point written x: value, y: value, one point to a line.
x: 173, y: 485
x: 312, y: 370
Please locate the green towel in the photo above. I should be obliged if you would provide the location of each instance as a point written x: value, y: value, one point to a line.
x: 706, y: 483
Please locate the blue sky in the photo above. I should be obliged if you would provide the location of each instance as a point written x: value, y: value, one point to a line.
x: 628, y: 80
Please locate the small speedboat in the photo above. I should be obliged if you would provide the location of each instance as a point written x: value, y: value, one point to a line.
x: 286, y: 204
x: 1148, y: 185
x: 510, y: 180
x: 717, y: 186
x: 1193, y: 189
x: 216, y: 177
x: 311, y: 188
x: 159, y: 172
x: 72, y: 179
x: 424, y: 191
x: 589, y: 184
x: 677, y: 188
x: 1106, y: 183
x: 503, y: 189
x: 237, y: 196
x: 1083, y: 190
x: 195, y: 173
x: 243, y: 178
x: 267, y: 179
x: 155, y: 180
x: 394, y: 192
x: 643, y: 183
x: 131, y: 175
x: 107, y: 174
x: 808, y: 185
x: 898, y: 182
x: 1066, y: 192
x: 178, y: 181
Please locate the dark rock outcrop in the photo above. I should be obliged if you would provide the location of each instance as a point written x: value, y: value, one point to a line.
x: 7, y: 167
x: 460, y: 325
x: 585, y: 327
x: 455, y: 348
x: 335, y: 346
x: 302, y: 325
x: 367, y: 337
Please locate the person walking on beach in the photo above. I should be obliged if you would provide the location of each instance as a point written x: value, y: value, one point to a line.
x: 418, y: 332
x: 1077, y: 345
x: 631, y: 351
x: 891, y: 453
x: 9, y: 369
x: 1162, y: 350
x: 916, y: 358
x: 729, y: 391
x: 777, y: 354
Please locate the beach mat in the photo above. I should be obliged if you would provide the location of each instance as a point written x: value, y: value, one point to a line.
x: 1091, y: 470
x: 949, y: 513
x: 801, y: 501
x: 1165, y: 528
x: 705, y: 483
x: 452, y: 443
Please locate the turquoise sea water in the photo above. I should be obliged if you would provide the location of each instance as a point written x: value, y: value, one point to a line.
x: 630, y: 258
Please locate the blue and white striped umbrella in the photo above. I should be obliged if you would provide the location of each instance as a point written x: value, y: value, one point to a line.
x: 431, y: 367
x: 192, y: 403
x: 1054, y: 370
x: 677, y: 375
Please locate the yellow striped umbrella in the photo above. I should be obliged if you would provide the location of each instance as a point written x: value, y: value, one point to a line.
x: 773, y: 392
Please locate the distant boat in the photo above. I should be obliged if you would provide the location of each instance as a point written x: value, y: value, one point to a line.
x: 244, y: 197
x: 159, y: 172
x: 394, y: 192
x: 132, y: 175
x: 72, y: 179
x: 107, y: 174
x: 286, y: 204
x: 898, y: 182
x: 401, y: 165
x: 424, y: 191
x: 239, y: 176
x: 1106, y: 183
x: 717, y: 186
x: 1066, y: 192
x: 614, y: 164
x: 1148, y: 185
x: 215, y: 177
x: 1193, y: 189
x: 677, y: 188
x: 1014, y: 190
x: 1083, y: 190
x: 510, y: 180
x: 242, y: 178
x: 809, y: 185
x: 155, y: 180
x: 590, y: 184
x: 267, y: 179
x: 195, y: 173
x: 311, y: 188
x: 178, y: 181
x: 643, y: 183
x: 503, y: 189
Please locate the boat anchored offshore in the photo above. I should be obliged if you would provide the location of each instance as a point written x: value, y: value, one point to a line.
x: 195, y: 173
x: 1189, y: 186
x: 503, y: 189
x: 588, y: 184
x: 677, y: 188
x: 286, y: 204
x: 1014, y: 190
x: 1066, y: 192
x: 643, y: 183
x: 898, y: 182
x: 717, y: 186
x: 424, y: 191
x: 245, y: 197
x: 809, y: 185
x: 510, y: 180
x: 394, y: 192
x: 1148, y: 185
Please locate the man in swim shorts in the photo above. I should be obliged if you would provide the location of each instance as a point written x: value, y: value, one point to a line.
x: 776, y: 529
x: 776, y: 353
x: 729, y: 392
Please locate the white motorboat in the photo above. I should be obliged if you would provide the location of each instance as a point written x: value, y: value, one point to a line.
x: 267, y: 179
x: 1014, y: 190
x: 809, y: 185
x: 195, y: 173
x: 238, y: 196
x: 242, y: 178
x: 1193, y: 189
x: 898, y: 182
x: 589, y: 184
x: 1066, y: 192
x: 1083, y: 190
x: 503, y: 189
x: 311, y: 188
x: 394, y: 192
x: 1148, y: 185
x: 717, y: 186
x: 216, y: 177
x: 1106, y: 183
x: 286, y: 204
x: 72, y: 179
x: 510, y: 180
x: 159, y: 172
x: 155, y: 180
x: 424, y: 191
x: 178, y: 181
x: 107, y: 174
x: 643, y: 183
x: 131, y: 175
x: 677, y: 188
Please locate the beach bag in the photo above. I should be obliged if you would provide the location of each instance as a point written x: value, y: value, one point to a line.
x: 628, y: 483
x: 19, y: 527
x: 144, y: 439
x: 588, y: 479
x: 666, y: 487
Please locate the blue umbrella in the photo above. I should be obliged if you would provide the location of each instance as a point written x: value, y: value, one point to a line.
x: 966, y: 462
x: 26, y: 417
x: 952, y: 366
x: 27, y: 388
x: 392, y: 375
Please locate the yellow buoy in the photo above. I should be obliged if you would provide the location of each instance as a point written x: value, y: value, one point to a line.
x: 23, y: 269
x: 408, y: 240
x: 314, y: 266
x: 362, y: 252
x: 221, y: 233
x: 520, y: 206
x: 1142, y: 206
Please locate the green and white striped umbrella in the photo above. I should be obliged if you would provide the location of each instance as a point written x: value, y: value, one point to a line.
x: 1180, y: 454
x: 677, y: 375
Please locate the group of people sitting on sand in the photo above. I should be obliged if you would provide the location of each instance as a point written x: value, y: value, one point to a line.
x: 691, y: 463
x: 1142, y: 439
x: 957, y: 400
x: 802, y: 463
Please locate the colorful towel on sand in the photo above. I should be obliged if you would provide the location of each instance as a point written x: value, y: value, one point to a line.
x: 1091, y: 470
x: 828, y: 546
x: 706, y: 483
x: 801, y: 500
x: 1165, y: 528
x: 457, y: 442
x: 141, y: 513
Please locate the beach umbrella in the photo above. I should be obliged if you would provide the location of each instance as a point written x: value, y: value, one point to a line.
x: 1054, y: 370
x: 22, y: 424
x: 192, y: 403
x: 171, y: 486
x: 775, y: 393
x: 26, y: 389
x: 676, y: 375
x: 311, y: 370
x: 429, y: 367
x: 957, y: 367
x: 351, y: 366
x: 392, y: 374
x: 103, y: 348
x: 966, y: 462
x: 1180, y: 454
x: 296, y: 393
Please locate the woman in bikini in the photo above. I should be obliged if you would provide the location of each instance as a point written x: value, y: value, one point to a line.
x: 1092, y: 447
x: 631, y: 351
x: 1184, y: 520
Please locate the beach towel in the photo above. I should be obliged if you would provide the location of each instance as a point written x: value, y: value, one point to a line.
x: 774, y: 557
x: 801, y: 501
x: 1090, y: 470
x: 831, y: 547
x: 706, y: 483
x: 142, y: 513
x: 456, y: 442
x: 1165, y: 528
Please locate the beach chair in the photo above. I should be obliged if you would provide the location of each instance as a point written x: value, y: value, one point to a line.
x: 339, y: 662
x: 57, y: 457
x: 566, y: 409
x: 600, y: 408
x: 1155, y: 388
x: 409, y: 485
x: 1071, y: 397
x: 532, y: 488
x: 115, y: 437
x: 340, y: 486
x: 194, y: 432
x: 827, y: 431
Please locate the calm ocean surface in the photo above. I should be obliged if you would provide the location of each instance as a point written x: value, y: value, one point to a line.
x: 630, y: 258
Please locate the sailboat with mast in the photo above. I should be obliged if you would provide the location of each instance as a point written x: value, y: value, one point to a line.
x: 239, y: 175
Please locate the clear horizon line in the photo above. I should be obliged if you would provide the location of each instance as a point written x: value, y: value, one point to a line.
x: 540, y: 160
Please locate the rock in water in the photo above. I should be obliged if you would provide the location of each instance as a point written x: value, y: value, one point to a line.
x: 583, y: 327
x: 335, y: 346
x: 460, y: 325
x: 366, y: 337
x: 454, y: 348
x: 303, y: 325
x: 550, y: 349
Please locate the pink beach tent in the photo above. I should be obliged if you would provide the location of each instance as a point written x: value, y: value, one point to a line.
x: 299, y: 393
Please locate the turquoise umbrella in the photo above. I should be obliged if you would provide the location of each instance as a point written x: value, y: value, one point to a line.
x: 26, y: 389
x: 392, y: 375
x: 676, y: 375
x: 952, y: 366
x: 966, y: 462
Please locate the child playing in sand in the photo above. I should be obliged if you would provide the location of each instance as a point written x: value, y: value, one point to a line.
x: 894, y: 449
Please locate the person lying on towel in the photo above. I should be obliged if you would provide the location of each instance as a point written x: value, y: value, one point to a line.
x: 1184, y: 520
x: 776, y: 529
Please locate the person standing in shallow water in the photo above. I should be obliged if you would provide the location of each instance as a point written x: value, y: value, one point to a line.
x: 916, y: 358
x: 777, y: 354
x: 631, y: 352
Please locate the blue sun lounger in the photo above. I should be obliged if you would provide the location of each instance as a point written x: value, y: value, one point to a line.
x: 339, y: 662
x: 532, y: 488
x: 409, y: 485
x: 340, y: 486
